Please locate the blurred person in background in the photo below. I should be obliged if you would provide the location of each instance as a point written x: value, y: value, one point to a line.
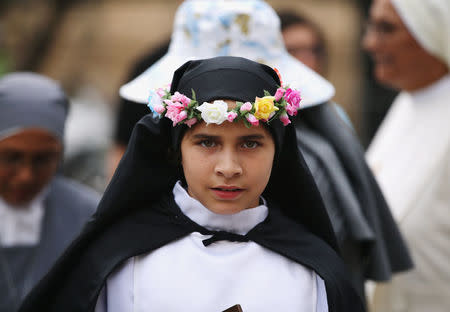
x: 85, y: 154
x: 304, y: 40
x: 410, y: 155
x: 369, y: 240
x: 40, y: 212
x: 376, y: 98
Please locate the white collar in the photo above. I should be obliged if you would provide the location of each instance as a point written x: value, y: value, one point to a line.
x: 436, y: 90
x: 21, y: 225
x: 240, y: 223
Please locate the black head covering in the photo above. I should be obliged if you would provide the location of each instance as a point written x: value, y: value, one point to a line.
x: 226, y: 78
x: 145, y: 172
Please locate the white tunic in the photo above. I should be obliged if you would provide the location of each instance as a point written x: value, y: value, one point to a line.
x: 187, y: 276
x: 410, y: 156
x: 411, y: 145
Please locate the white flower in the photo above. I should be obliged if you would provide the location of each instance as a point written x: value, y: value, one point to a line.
x: 214, y: 113
x: 155, y: 103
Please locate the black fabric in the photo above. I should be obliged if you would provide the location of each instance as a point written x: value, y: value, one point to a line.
x: 129, y: 112
x: 74, y: 284
x: 225, y: 77
x: 223, y: 235
x: 388, y: 253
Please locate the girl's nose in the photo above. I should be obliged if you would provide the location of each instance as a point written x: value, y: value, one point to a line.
x: 228, y: 165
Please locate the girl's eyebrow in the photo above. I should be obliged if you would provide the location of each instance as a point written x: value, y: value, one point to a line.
x: 205, y: 136
x: 216, y: 137
x: 252, y: 137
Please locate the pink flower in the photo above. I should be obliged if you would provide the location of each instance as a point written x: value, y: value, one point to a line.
x: 190, y: 122
x: 252, y: 119
x: 291, y: 110
x: 161, y: 92
x: 181, y: 116
x: 246, y: 107
x: 231, y: 115
x: 159, y: 108
x: 168, y: 102
x: 279, y: 94
x: 178, y: 97
x: 293, y: 97
x: 285, y: 119
x: 175, y: 111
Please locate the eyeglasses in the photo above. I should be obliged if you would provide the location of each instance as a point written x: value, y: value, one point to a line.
x: 316, y: 50
x: 381, y: 28
x: 38, y: 162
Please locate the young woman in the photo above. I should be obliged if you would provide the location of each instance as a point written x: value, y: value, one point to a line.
x: 210, y: 207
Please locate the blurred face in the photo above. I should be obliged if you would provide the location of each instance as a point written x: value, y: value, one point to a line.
x: 303, y: 43
x: 28, y: 160
x: 227, y: 166
x: 400, y: 61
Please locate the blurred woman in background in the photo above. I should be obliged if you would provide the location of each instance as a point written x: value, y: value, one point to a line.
x: 410, y: 154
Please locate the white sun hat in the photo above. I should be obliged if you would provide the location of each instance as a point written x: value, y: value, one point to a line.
x: 246, y: 28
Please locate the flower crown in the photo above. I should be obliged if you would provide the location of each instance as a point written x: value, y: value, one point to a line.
x: 183, y: 110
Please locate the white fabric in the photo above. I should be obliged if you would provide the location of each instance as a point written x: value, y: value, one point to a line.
x: 429, y: 22
x: 410, y: 156
x: 250, y: 29
x: 21, y: 225
x: 239, y: 223
x: 187, y: 276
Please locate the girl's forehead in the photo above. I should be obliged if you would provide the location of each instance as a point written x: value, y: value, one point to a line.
x: 229, y: 130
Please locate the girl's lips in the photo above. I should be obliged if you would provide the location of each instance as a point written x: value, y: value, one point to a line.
x: 227, y: 192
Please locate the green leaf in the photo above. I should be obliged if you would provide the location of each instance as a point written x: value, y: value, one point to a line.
x: 192, y: 104
x: 194, y: 97
x: 266, y: 93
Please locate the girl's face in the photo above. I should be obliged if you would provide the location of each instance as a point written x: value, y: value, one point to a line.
x: 227, y: 166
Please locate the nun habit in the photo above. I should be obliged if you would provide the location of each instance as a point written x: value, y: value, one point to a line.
x: 32, y: 237
x: 143, y: 214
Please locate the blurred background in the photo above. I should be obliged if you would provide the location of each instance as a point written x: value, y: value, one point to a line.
x: 91, y: 46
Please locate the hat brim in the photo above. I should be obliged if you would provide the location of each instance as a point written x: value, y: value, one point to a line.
x: 314, y: 89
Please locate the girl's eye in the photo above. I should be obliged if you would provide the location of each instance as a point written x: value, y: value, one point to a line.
x: 207, y: 143
x: 250, y: 144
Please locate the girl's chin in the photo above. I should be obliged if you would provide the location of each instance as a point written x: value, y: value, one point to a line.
x: 226, y: 209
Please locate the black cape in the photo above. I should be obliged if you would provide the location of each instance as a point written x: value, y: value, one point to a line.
x: 69, y: 289
x: 384, y: 253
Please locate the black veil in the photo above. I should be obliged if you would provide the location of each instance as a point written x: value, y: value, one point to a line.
x: 147, y: 171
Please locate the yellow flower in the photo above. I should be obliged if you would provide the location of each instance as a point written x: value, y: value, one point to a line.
x: 264, y: 107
